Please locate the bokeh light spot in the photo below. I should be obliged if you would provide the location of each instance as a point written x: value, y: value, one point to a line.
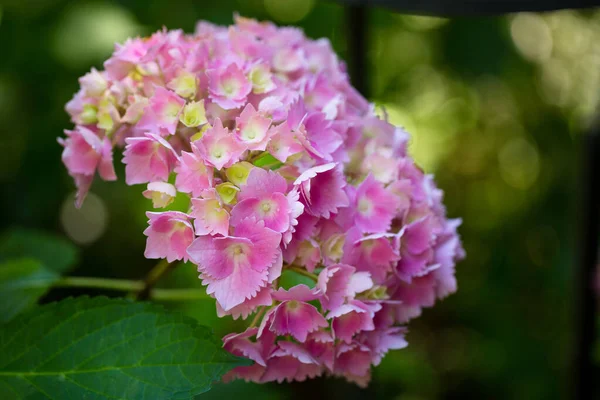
x: 88, y: 32
x: 423, y: 23
x: 289, y: 11
x: 519, y: 163
x: 532, y: 36
x: 87, y: 224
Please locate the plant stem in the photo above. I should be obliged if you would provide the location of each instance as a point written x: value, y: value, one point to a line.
x: 257, y: 317
x: 304, y: 272
x: 100, y: 283
x: 178, y: 294
x: 159, y: 270
x: 125, y: 285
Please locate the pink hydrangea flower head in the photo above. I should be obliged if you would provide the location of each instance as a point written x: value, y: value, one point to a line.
x: 285, y: 172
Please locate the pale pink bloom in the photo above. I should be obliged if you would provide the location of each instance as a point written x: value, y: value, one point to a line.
x: 125, y: 58
x: 93, y: 83
x: 137, y: 105
x: 291, y: 362
x: 240, y: 345
x: 320, y: 346
x: 74, y: 108
x: 185, y: 84
x: 339, y: 283
x: 262, y: 183
x: 321, y: 140
x: 402, y: 189
x: 322, y: 190
x: 318, y: 91
x: 352, y: 318
x: 218, y: 146
x: 448, y: 250
x: 228, y: 86
x: 289, y: 137
x: 85, y: 152
x: 161, y: 193
x: 373, y: 253
x: 413, y: 297
x: 306, y: 253
x: 296, y: 210
x: 381, y: 162
x: 380, y: 341
x: 288, y: 60
x: 284, y: 142
x: 210, y: 217
x: 261, y: 78
x: 273, y: 106
x: 262, y: 298
x: 294, y: 316
x: 258, y: 351
x: 415, y: 242
x: 306, y: 228
x: 236, y: 267
x: 169, y: 235
x: 162, y: 112
x: 193, y: 176
x: 273, y: 210
x: 262, y: 196
x: 149, y: 158
x: 353, y: 361
x: 252, y: 129
x: 375, y: 206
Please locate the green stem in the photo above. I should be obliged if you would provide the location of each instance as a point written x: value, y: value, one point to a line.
x: 101, y: 283
x: 159, y: 270
x: 125, y: 285
x: 178, y: 294
x: 304, y: 272
x: 258, y: 316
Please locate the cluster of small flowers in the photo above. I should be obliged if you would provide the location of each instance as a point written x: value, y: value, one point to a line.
x: 287, y: 167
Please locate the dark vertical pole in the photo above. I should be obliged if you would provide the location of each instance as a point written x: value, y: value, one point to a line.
x: 585, y: 386
x: 357, y: 30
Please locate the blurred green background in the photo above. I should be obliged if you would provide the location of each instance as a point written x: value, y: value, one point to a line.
x: 496, y: 107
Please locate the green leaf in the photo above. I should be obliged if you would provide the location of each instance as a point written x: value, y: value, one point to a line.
x: 53, y: 252
x: 100, y: 348
x: 266, y: 160
x: 22, y: 283
x: 290, y: 279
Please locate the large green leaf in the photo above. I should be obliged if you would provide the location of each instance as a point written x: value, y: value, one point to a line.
x: 100, y: 348
x: 22, y: 283
x: 53, y: 252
